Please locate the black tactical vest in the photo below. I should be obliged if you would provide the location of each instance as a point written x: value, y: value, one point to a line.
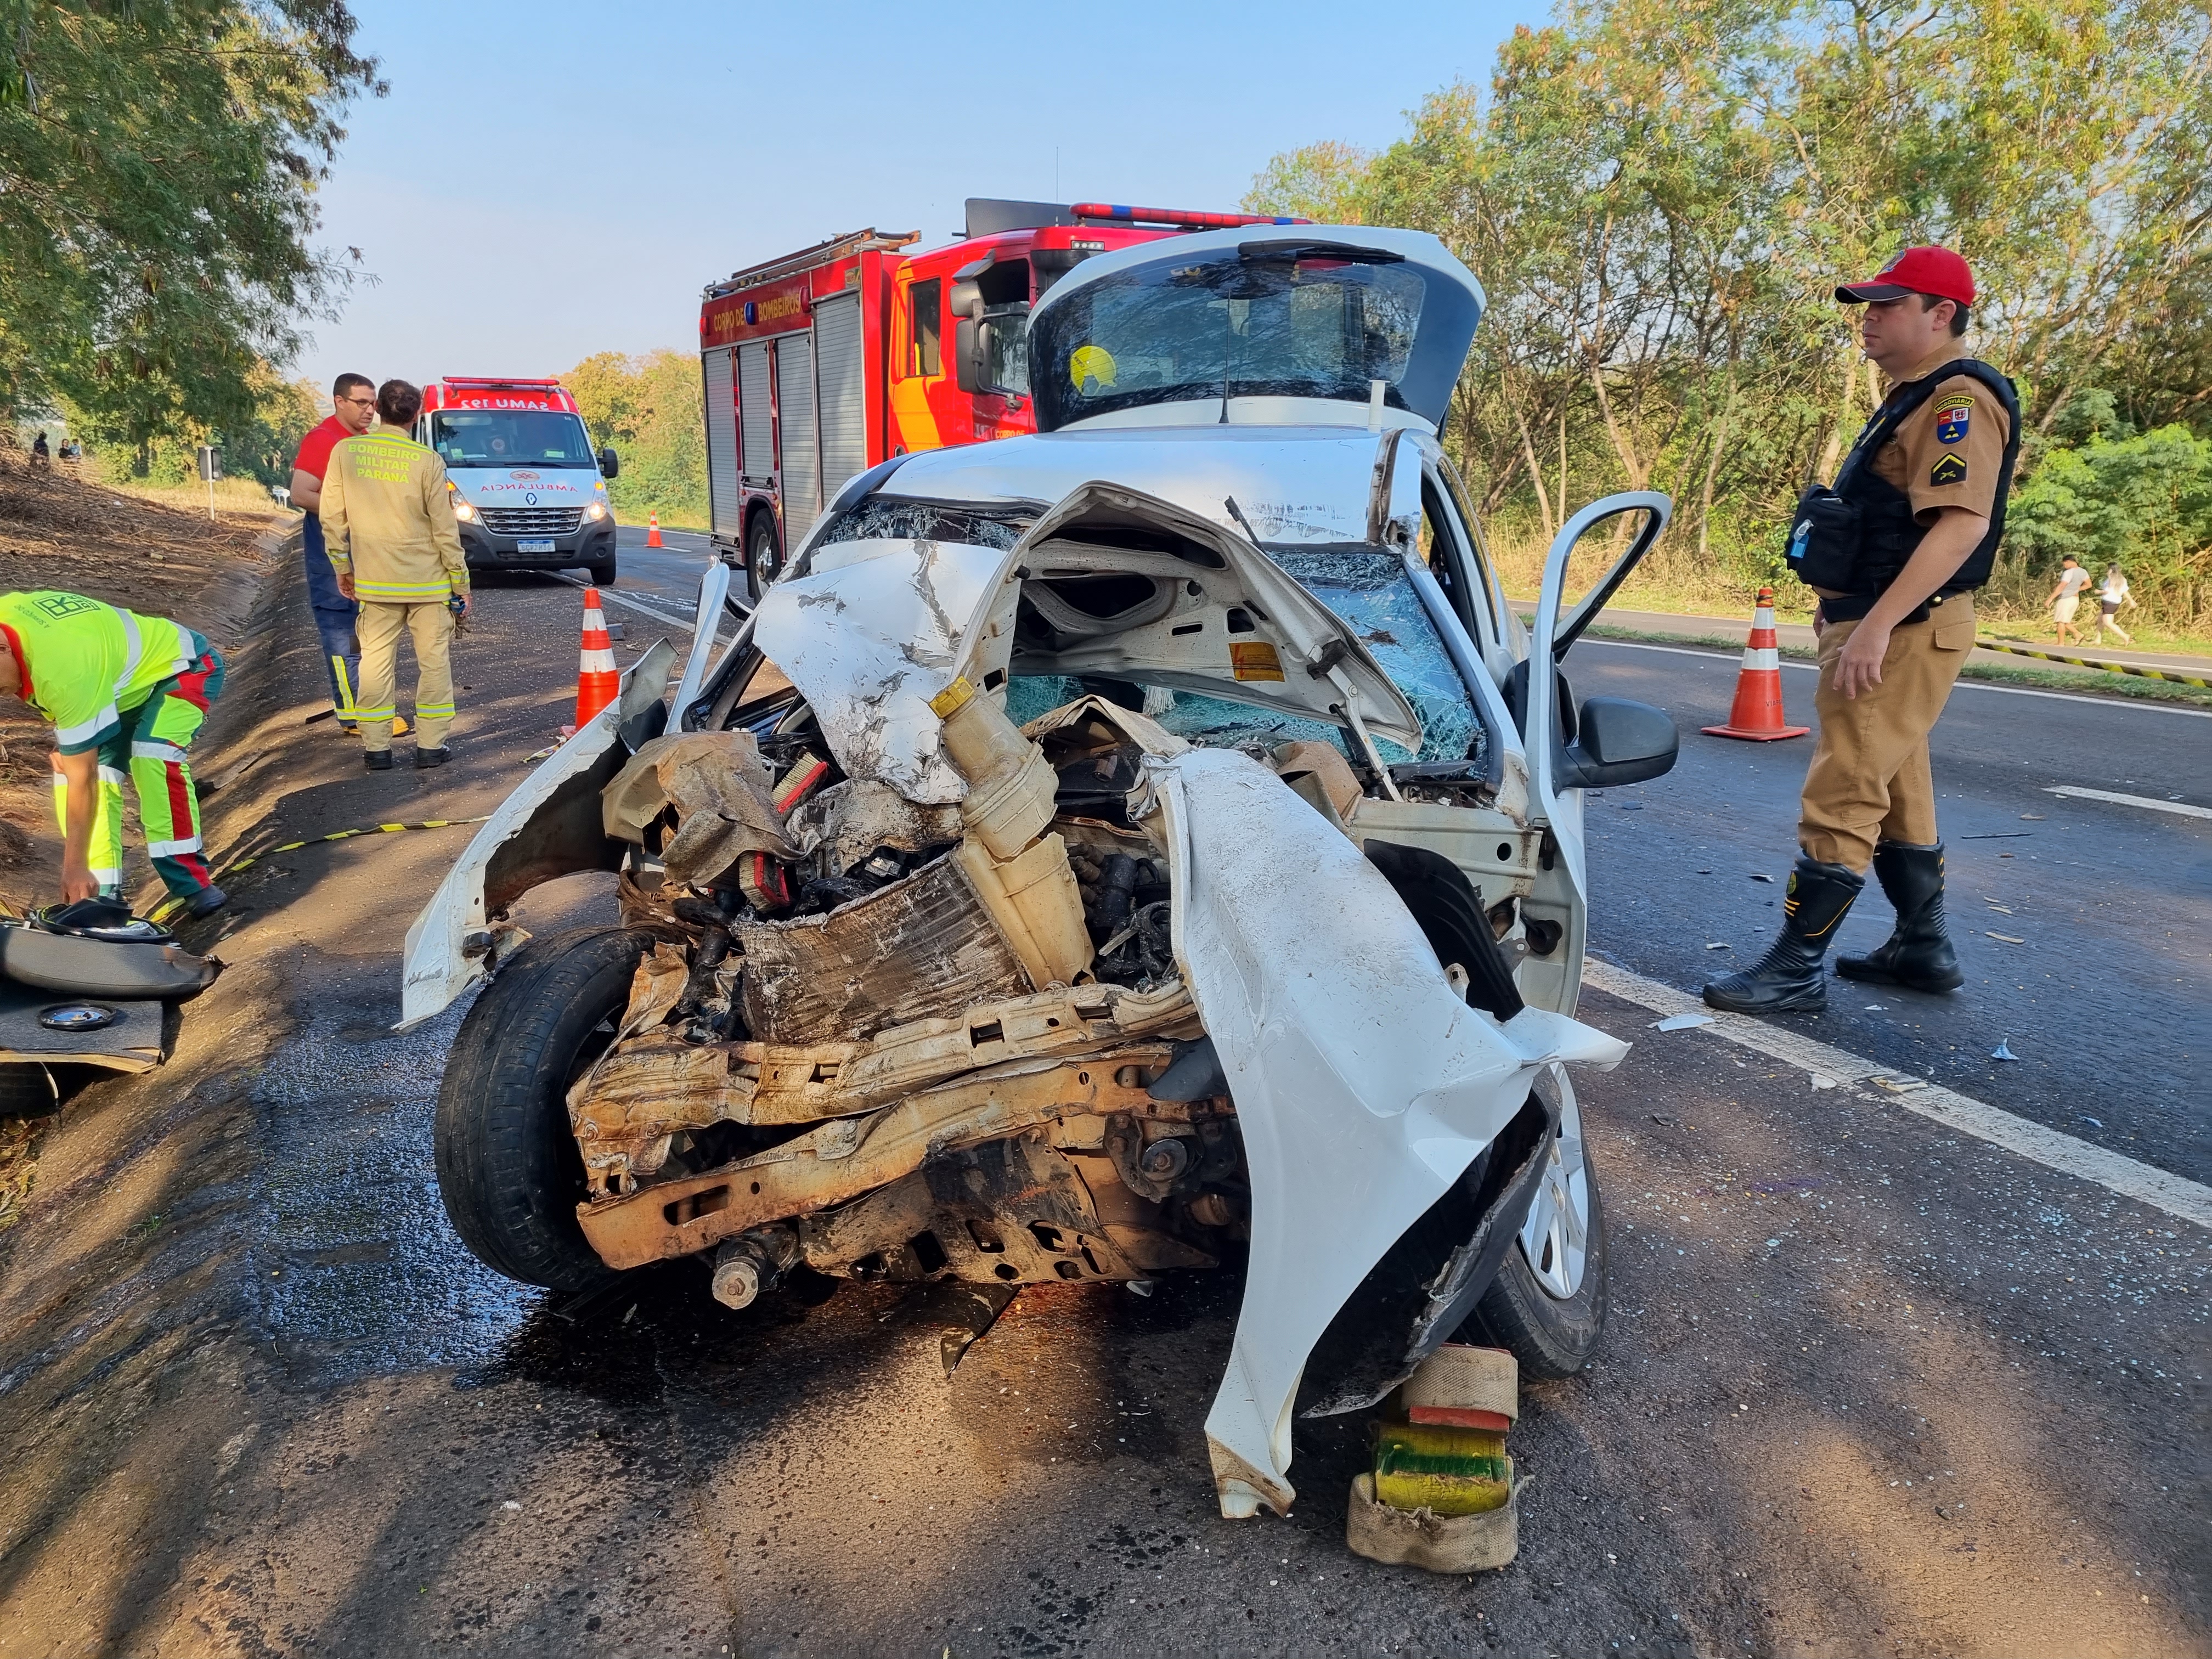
x: 1855, y: 539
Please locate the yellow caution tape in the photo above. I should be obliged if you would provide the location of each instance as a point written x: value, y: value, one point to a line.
x: 169, y: 907
x: 2109, y: 667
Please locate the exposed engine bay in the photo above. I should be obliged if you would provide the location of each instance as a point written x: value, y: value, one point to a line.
x: 1069, y: 894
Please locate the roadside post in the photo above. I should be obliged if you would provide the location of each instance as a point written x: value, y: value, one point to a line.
x: 210, y: 469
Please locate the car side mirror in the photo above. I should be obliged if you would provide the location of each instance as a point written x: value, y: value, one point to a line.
x: 1617, y: 742
x: 610, y: 463
x: 967, y: 354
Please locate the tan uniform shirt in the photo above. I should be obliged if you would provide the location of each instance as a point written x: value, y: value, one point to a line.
x: 1947, y: 452
x: 388, y: 522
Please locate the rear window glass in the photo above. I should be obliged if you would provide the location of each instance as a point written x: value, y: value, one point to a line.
x: 885, y: 518
x: 1227, y: 326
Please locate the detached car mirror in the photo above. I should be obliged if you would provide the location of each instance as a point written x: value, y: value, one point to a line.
x: 1616, y: 742
x: 610, y: 463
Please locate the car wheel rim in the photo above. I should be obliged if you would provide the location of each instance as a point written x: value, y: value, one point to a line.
x: 1555, y: 1238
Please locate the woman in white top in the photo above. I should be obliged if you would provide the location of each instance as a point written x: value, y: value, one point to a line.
x: 2111, y: 594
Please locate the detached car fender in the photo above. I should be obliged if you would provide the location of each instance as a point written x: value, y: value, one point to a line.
x: 551, y: 826
x: 1365, y: 1085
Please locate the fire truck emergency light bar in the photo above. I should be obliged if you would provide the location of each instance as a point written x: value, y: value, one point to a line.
x: 492, y: 379
x: 1182, y: 218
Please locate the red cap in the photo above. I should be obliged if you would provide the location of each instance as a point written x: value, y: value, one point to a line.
x: 1933, y: 271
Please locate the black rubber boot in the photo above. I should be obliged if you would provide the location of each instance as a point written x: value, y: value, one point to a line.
x: 427, y: 758
x: 1918, y: 954
x: 206, y: 901
x: 376, y: 760
x: 1787, y: 979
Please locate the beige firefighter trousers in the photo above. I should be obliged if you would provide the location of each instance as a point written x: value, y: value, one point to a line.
x: 377, y: 630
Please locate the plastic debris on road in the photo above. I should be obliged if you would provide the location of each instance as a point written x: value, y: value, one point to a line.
x: 2008, y: 938
x: 2003, y: 1051
x: 1683, y: 1022
x: 1769, y: 880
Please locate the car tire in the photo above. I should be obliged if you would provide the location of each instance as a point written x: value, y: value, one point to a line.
x: 603, y: 571
x: 1550, y: 1336
x: 764, y: 555
x: 508, y: 1166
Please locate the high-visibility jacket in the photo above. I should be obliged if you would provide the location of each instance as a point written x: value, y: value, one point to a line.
x: 388, y: 522
x: 86, y: 663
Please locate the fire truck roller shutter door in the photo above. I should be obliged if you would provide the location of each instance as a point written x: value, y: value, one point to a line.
x: 794, y: 408
x: 837, y: 370
x: 758, y: 461
x: 725, y: 504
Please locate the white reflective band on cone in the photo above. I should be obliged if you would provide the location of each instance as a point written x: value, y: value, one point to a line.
x: 1762, y: 656
x: 598, y: 662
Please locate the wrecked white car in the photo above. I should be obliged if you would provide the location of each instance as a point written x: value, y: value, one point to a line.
x: 1132, y: 848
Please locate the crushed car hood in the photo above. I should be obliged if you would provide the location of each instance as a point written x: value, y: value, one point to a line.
x: 871, y: 630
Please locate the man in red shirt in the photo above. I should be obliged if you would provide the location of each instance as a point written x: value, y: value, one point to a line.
x: 352, y: 407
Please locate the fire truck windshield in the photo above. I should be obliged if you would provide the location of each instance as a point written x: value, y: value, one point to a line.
x: 1296, y: 324
x: 510, y: 437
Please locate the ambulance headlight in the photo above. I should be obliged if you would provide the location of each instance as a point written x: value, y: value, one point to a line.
x: 464, y: 511
x: 595, y: 511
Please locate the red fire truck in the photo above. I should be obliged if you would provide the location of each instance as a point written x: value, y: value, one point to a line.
x: 821, y: 364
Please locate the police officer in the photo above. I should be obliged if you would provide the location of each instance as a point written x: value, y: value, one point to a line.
x: 1895, y: 551
x: 127, y: 694
x: 397, y: 551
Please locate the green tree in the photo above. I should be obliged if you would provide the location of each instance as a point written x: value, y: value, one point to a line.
x: 648, y: 410
x: 158, y: 162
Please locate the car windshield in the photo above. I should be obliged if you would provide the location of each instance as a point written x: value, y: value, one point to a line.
x: 1312, y: 323
x: 1370, y: 592
x: 510, y: 437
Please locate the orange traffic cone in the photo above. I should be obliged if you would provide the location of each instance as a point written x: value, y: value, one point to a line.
x: 597, y: 681
x: 1757, y: 712
x: 653, y: 529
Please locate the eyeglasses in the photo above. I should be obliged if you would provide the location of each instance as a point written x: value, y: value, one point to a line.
x: 368, y: 401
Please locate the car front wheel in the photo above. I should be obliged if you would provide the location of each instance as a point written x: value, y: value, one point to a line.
x: 508, y: 1166
x: 1548, y: 1303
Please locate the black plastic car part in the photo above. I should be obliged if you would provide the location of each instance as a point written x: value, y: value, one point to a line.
x: 100, y: 955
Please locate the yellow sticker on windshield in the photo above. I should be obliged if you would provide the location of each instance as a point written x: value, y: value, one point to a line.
x: 1255, y: 659
x: 1092, y: 369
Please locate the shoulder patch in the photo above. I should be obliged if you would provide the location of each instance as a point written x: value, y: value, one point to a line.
x: 1952, y: 411
x: 1948, y: 470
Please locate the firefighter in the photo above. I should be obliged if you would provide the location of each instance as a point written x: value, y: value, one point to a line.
x: 1895, y: 551
x: 127, y: 694
x: 388, y: 522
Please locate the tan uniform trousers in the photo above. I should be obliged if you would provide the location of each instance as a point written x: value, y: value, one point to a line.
x: 378, y: 630
x: 1869, y: 779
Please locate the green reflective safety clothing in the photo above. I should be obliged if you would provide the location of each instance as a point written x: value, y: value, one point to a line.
x: 85, y: 663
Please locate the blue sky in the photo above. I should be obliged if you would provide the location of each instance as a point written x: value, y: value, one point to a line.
x: 552, y: 179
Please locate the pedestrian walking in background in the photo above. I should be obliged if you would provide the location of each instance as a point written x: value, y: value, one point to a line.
x: 2112, y: 594
x: 388, y: 522
x: 1895, y: 551
x: 353, y: 407
x: 2065, y: 598
x: 126, y: 695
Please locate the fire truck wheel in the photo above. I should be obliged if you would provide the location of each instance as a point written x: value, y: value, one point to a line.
x: 508, y: 1166
x: 763, y: 558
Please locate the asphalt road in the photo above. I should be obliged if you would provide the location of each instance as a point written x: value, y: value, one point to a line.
x: 1871, y: 1385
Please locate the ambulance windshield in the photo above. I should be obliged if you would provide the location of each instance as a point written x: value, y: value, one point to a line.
x: 510, y: 437
x: 1267, y: 322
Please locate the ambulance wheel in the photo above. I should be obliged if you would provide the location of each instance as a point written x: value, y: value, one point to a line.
x: 763, y: 557
x: 1547, y: 1304
x: 602, y: 573
x: 508, y: 1166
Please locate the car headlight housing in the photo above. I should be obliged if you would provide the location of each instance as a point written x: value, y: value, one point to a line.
x: 595, y: 511
x: 462, y: 510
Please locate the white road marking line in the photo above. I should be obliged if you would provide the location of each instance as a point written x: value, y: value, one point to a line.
x: 1714, y: 655
x: 608, y: 596
x: 2188, y: 1200
x: 2080, y: 793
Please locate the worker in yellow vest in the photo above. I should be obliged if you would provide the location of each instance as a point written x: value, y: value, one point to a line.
x: 389, y: 530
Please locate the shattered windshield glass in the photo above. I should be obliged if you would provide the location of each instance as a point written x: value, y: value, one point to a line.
x: 884, y: 518
x: 1259, y: 322
x: 1370, y: 592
